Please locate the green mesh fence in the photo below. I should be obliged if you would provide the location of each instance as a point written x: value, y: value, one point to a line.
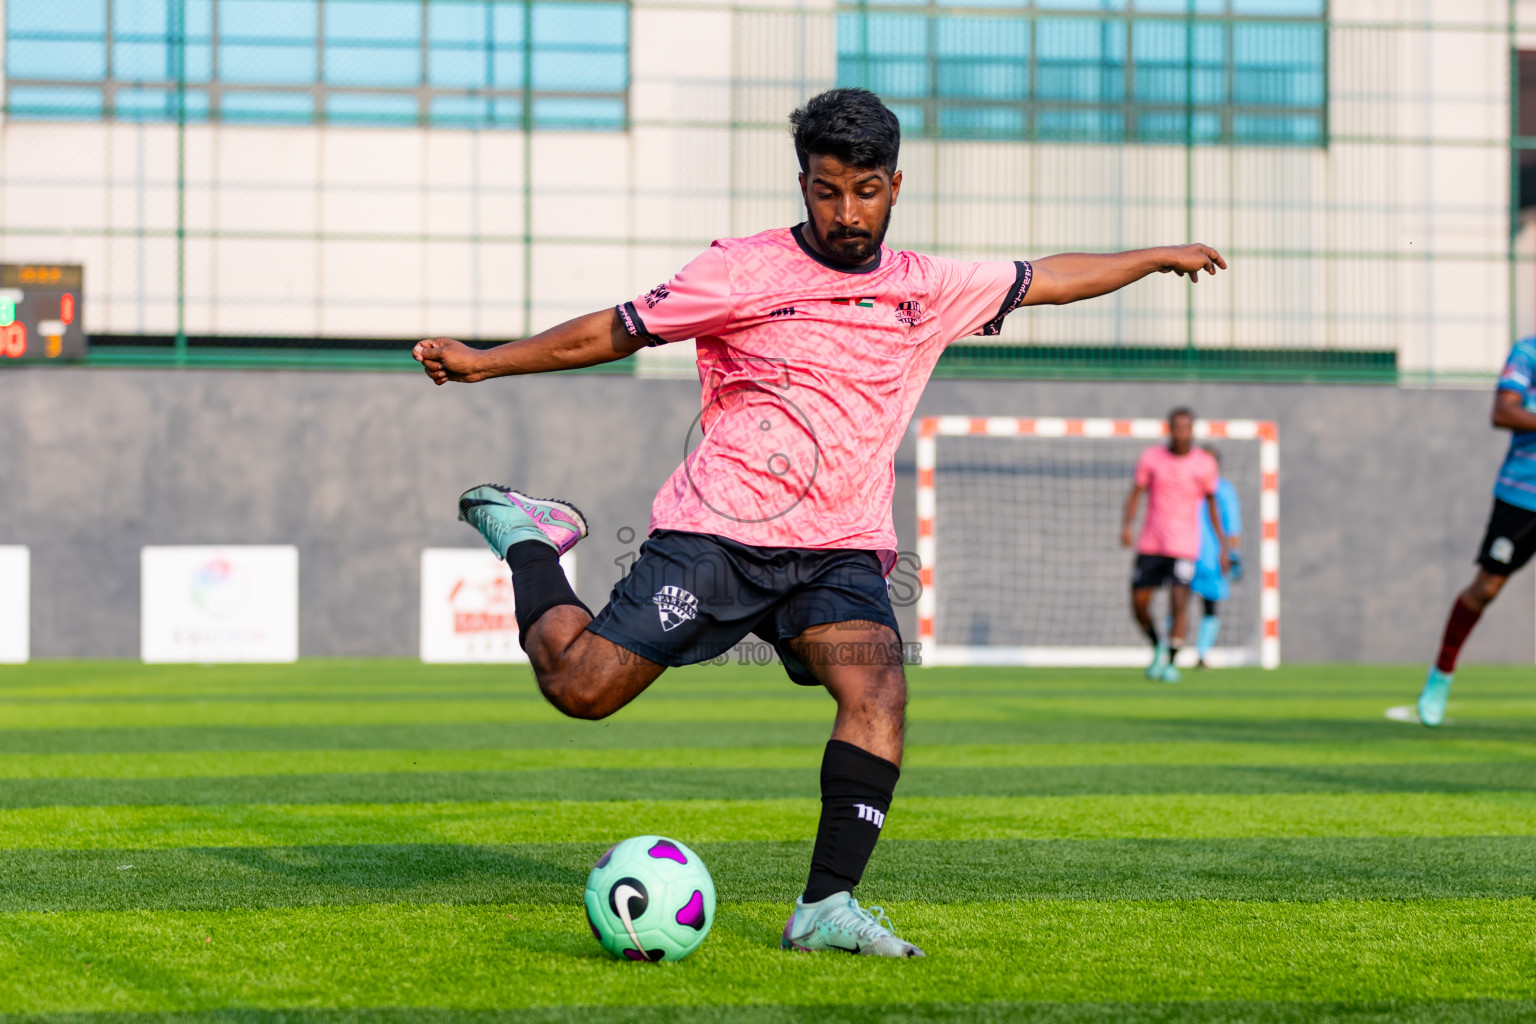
x: 316, y: 183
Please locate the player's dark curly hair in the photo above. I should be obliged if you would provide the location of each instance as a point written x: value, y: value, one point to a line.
x: 849, y: 124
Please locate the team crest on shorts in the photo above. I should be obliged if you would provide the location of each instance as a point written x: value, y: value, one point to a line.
x: 676, y: 606
x: 1502, y: 550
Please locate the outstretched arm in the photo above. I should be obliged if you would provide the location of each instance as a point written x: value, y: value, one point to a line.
x: 1072, y: 276
x: 585, y: 341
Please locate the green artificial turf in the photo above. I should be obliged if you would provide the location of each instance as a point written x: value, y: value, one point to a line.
x: 383, y: 841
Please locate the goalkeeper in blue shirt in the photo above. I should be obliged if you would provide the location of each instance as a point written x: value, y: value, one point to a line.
x: 1210, y: 583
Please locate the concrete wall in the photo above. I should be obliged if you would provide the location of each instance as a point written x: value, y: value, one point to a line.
x: 1384, y: 492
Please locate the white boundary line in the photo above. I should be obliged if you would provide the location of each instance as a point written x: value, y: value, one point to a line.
x: 1075, y: 657
x: 931, y: 428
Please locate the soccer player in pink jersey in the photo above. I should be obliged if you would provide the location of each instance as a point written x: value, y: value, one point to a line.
x: 814, y: 344
x: 1176, y: 478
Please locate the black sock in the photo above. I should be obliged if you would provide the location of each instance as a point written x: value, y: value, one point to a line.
x: 856, y: 788
x: 1151, y: 632
x: 538, y: 584
x: 1173, y: 653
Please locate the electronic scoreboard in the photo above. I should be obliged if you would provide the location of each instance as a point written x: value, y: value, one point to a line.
x: 40, y: 307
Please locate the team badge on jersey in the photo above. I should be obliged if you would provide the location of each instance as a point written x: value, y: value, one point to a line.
x: 676, y: 606
x: 655, y: 295
x: 909, y: 313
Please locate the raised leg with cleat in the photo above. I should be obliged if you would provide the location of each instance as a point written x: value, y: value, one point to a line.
x: 505, y: 517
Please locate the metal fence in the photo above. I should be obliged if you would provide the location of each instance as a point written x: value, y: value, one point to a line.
x: 317, y: 182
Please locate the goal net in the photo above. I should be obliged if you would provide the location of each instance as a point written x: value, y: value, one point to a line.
x: 1018, y: 523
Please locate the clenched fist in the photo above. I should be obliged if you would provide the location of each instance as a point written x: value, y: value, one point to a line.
x: 445, y: 359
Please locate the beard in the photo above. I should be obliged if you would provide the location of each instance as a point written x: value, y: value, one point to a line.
x: 848, y: 247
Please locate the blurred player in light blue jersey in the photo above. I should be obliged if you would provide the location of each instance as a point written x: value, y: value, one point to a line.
x: 1210, y: 582
x: 1510, y: 539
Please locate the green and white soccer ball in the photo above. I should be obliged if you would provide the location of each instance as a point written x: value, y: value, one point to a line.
x: 650, y: 898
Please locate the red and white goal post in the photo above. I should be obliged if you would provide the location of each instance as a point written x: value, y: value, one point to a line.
x: 1018, y: 522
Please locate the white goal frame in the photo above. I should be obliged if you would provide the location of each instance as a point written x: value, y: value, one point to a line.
x: 931, y: 428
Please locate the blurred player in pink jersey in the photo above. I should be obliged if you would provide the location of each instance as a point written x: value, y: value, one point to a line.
x: 1176, y: 478
x: 814, y: 344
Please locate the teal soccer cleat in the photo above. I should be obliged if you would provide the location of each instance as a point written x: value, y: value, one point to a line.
x: 1170, y: 673
x: 1160, y: 663
x: 1437, y: 687
x: 839, y: 923
x: 505, y: 517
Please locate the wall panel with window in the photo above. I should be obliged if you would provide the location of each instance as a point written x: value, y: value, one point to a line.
x: 1157, y: 71
x: 490, y: 63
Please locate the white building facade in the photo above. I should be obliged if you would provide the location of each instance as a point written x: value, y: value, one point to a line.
x: 390, y: 169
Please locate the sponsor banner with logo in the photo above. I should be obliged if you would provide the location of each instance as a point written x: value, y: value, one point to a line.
x: 467, y: 609
x: 15, y: 604
x: 219, y: 604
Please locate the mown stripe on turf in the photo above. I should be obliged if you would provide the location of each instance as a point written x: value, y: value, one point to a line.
x: 522, y: 955
x: 791, y: 704
x: 654, y: 783
x: 1181, y: 816
x: 913, y: 871
x: 133, y: 677
x: 564, y: 734
x: 209, y: 764
x: 1469, y: 1011
x: 569, y: 734
x: 389, y: 711
x: 56, y: 679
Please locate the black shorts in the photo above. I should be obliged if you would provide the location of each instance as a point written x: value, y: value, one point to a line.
x: 1153, y: 571
x: 691, y: 597
x: 1509, y: 541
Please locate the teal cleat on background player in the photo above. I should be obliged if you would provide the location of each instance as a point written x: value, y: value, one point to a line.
x: 1170, y: 673
x: 505, y: 517
x: 1160, y: 663
x: 1210, y: 628
x: 839, y: 923
x: 1437, y: 687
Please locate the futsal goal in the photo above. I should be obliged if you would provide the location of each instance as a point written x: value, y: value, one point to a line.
x: 1018, y: 524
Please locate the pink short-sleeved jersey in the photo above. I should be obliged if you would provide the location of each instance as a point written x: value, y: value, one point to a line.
x: 808, y: 377
x: 1175, y: 486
